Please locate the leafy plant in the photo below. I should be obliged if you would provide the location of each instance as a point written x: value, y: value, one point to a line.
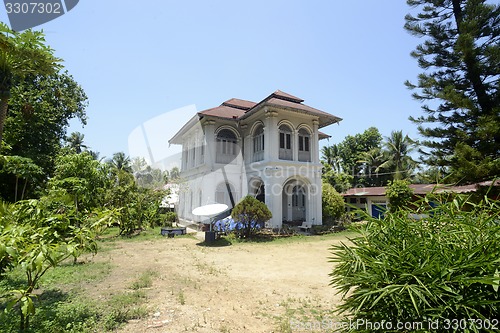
x: 333, y: 204
x: 438, y: 268
x: 399, y: 194
x: 252, y: 214
x: 35, y: 239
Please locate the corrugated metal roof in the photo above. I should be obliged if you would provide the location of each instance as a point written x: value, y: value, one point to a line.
x: 419, y: 189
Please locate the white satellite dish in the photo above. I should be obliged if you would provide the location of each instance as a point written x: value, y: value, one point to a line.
x: 210, y: 210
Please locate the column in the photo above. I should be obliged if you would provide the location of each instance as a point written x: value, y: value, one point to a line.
x: 273, y: 196
x: 315, y: 142
x: 317, y: 204
x: 210, y: 150
x: 271, y: 139
x: 295, y: 145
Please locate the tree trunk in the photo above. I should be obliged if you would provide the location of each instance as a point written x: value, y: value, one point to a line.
x: 472, y: 63
x: 17, y: 186
x: 24, y: 188
x: 4, y: 105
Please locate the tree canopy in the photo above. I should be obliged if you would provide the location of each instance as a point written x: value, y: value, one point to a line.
x: 365, y: 159
x: 460, y: 55
x: 21, y: 55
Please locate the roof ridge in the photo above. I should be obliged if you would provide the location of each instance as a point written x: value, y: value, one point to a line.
x: 230, y: 103
x: 286, y: 96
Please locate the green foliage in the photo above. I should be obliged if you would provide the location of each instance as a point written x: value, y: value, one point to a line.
x: 81, y: 178
x: 121, y: 162
x: 441, y: 267
x: 252, y: 214
x: 399, y: 194
x: 21, y: 168
x: 469, y: 164
x: 396, y: 156
x: 333, y: 205
x: 21, y: 55
x: 139, y: 207
x: 171, y: 217
x: 39, y: 112
x: 75, y: 142
x: 363, y: 159
x: 339, y: 180
x: 459, y: 88
x: 34, y: 239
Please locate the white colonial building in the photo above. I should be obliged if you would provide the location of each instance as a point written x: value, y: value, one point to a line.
x: 268, y: 149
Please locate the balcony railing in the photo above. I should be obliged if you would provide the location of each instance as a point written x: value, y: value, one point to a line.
x: 285, y: 154
x: 304, y: 156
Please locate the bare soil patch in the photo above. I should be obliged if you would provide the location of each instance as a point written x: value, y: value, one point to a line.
x: 244, y: 287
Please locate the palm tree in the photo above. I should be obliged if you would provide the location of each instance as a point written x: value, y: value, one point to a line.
x: 331, y: 156
x: 396, y: 155
x: 96, y: 155
x: 21, y: 54
x: 175, y: 173
x: 75, y: 142
x: 372, y: 160
x: 120, y: 161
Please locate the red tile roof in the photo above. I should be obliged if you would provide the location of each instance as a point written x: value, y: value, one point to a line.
x: 284, y: 95
x: 239, y: 103
x: 322, y: 135
x: 232, y: 108
x: 239, y: 109
x: 224, y: 111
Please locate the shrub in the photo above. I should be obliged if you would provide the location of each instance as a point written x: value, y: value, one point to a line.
x: 252, y: 214
x: 171, y: 217
x: 333, y: 205
x: 399, y: 194
x: 436, y: 269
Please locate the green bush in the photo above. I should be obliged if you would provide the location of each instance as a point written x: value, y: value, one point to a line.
x: 333, y: 205
x: 252, y: 214
x: 171, y: 217
x: 440, y: 268
x: 399, y: 194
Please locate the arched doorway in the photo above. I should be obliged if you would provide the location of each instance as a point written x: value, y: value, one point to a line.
x: 295, y: 200
x: 257, y: 189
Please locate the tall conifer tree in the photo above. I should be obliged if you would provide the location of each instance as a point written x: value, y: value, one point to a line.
x: 460, y: 85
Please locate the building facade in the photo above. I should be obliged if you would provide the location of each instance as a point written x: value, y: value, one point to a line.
x: 269, y: 150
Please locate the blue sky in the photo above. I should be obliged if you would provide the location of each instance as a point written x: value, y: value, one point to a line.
x: 139, y: 59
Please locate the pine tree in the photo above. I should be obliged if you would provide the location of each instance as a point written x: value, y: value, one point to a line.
x: 460, y: 85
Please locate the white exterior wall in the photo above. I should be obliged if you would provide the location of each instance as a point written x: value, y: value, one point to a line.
x: 370, y: 202
x: 277, y: 175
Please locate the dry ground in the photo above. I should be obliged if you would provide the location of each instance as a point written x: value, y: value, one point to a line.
x: 243, y: 287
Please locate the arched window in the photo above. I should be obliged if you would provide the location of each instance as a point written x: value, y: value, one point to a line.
x: 227, y: 147
x: 258, y: 144
x: 304, y: 146
x: 285, y: 142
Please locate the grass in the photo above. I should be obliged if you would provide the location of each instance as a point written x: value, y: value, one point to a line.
x: 145, y: 280
x: 292, y: 239
x: 298, y: 312
x: 62, y: 306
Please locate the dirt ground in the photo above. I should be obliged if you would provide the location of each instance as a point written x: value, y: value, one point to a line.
x: 243, y: 287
